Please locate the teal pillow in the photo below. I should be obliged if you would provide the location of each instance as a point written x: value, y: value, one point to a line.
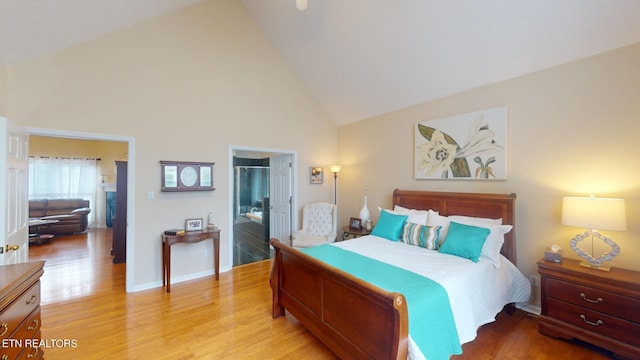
x: 465, y: 241
x: 389, y: 225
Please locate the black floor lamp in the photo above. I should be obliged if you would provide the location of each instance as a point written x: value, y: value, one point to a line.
x: 335, y: 169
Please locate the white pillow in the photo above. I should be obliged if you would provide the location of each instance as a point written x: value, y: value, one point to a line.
x: 414, y: 216
x: 434, y: 215
x: 493, y: 244
x: 479, y: 220
x: 435, y: 219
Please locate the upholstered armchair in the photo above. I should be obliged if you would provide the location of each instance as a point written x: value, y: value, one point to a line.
x: 319, y: 225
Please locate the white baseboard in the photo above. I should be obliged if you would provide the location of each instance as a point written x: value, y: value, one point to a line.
x: 178, y: 279
x: 531, y: 309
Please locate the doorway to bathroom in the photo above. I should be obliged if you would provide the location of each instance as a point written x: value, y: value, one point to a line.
x: 251, y: 210
x: 257, y: 215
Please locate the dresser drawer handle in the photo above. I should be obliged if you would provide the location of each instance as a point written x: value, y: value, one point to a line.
x: 33, y: 354
x: 5, y: 328
x: 34, y: 325
x: 597, y: 323
x: 32, y: 299
x: 585, y: 298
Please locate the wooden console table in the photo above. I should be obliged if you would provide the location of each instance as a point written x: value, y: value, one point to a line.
x: 188, y: 238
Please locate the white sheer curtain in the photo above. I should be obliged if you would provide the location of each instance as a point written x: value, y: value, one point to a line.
x: 60, y: 178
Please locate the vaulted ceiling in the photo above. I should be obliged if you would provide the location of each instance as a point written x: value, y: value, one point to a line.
x: 362, y: 58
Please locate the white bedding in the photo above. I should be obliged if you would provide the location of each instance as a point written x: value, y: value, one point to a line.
x: 477, y: 291
x: 255, y: 216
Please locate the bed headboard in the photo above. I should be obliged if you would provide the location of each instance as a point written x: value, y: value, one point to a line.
x: 493, y: 206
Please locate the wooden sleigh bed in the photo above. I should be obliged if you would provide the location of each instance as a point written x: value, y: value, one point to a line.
x: 353, y: 318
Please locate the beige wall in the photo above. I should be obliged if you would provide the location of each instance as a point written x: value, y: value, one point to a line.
x: 185, y: 86
x: 3, y: 90
x: 107, y: 151
x: 572, y: 130
x: 188, y: 85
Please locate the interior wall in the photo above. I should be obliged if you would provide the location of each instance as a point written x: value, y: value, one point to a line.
x: 3, y: 90
x: 572, y: 130
x: 107, y: 151
x: 185, y: 86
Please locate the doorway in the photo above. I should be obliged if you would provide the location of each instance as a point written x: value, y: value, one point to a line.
x: 106, y: 186
x: 260, y: 203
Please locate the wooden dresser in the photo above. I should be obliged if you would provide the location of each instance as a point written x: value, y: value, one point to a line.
x: 20, y: 311
x: 599, y: 307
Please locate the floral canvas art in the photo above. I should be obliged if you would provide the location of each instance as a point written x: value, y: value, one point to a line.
x: 466, y: 146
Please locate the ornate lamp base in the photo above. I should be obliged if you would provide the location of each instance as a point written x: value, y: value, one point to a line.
x: 590, y: 261
x: 596, y: 267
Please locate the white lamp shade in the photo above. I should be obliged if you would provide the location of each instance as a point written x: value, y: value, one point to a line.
x: 594, y: 213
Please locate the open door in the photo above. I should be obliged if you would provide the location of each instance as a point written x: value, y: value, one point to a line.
x: 14, y: 205
x: 280, y: 197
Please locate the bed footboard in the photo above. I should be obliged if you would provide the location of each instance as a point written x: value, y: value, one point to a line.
x: 353, y: 318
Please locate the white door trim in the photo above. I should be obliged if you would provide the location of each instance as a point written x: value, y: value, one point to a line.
x: 294, y: 187
x: 130, y: 183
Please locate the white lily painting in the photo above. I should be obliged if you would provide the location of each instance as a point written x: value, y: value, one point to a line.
x: 466, y: 146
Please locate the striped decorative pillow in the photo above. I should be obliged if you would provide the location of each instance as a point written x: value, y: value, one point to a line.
x: 421, y: 235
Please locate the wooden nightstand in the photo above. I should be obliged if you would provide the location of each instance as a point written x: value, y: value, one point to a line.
x: 599, y: 307
x: 347, y: 231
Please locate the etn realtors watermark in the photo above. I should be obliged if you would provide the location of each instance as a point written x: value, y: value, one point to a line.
x: 38, y: 343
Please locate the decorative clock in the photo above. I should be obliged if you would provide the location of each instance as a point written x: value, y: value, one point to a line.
x: 186, y: 176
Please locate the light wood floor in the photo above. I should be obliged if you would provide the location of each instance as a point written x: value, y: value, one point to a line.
x: 84, y: 301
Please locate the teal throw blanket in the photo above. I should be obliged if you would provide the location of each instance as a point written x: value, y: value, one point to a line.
x: 431, y: 323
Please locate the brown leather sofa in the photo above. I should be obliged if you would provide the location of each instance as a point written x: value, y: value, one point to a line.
x: 70, y: 213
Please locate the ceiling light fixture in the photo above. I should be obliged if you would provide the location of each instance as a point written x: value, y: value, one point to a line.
x: 301, y: 5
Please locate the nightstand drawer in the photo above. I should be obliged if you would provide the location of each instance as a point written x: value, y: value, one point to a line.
x: 605, y: 302
x: 595, y: 322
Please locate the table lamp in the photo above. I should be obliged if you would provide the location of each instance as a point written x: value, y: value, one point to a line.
x: 594, y: 214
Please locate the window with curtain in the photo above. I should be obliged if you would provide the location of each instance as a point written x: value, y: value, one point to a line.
x: 63, y: 178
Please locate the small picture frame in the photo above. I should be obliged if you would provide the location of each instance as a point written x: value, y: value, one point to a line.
x: 316, y: 175
x: 355, y: 224
x: 193, y: 225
